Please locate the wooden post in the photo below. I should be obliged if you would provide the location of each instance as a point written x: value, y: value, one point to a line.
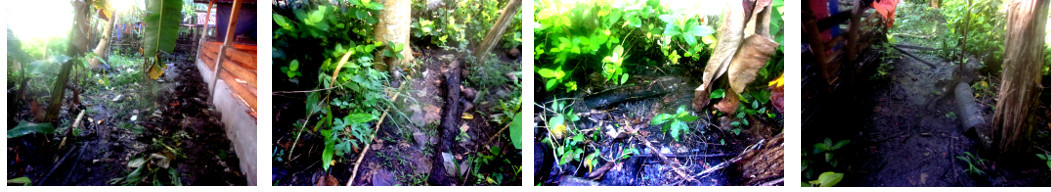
x: 231, y: 27
x: 204, y: 33
x: 494, y: 34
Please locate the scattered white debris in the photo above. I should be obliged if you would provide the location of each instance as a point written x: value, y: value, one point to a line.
x: 134, y: 117
x: 115, y: 99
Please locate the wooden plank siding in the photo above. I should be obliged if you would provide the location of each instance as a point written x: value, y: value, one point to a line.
x: 239, y: 69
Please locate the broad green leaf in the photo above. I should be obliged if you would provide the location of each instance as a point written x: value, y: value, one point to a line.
x: 294, y: 66
x: 718, y: 93
x: 676, y: 127
x: 828, y: 179
x: 840, y: 144
x: 690, y: 40
x: 661, y: 119
x: 24, y: 181
x: 516, y: 130
x: 330, y: 143
x: 283, y: 22
x: 360, y: 118
x: 162, y: 26
x: 546, y: 73
x: 26, y: 128
x: 688, y: 118
x: 623, y: 78
x: 635, y: 22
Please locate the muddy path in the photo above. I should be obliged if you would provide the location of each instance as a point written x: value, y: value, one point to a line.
x: 170, y: 117
x: 650, y: 91
x: 403, y: 152
x: 902, y: 132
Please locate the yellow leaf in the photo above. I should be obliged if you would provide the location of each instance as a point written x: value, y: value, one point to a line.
x: 467, y: 116
x: 558, y: 131
x: 779, y: 82
x: 156, y: 70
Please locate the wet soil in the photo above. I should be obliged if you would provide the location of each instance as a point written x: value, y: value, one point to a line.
x: 175, y: 120
x: 648, y: 92
x: 902, y: 133
x: 403, y: 149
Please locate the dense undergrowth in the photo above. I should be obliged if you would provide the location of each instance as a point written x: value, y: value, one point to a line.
x: 575, y: 42
x: 326, y: 55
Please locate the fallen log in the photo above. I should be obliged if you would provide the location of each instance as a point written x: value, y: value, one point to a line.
x: 763, y: 165
x: 450, y: 123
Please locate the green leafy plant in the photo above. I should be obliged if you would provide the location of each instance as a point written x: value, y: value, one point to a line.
x: 613, y: 66
x: 828, y: 148
x: 677, y: 122
x: 557, y: 77
x: 334, y: 41
x: 827, y: 179
x: 459, y: 24
x: 975, y: 164
x: 1046, y: 157
x: 985, y: 33
x: 566, y: 141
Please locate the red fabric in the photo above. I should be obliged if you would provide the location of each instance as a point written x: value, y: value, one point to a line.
x: 886, y: 8
x: 820, y: 9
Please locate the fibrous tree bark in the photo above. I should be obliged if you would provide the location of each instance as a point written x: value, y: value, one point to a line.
x: 494, y: 34
x: 1020, y: 81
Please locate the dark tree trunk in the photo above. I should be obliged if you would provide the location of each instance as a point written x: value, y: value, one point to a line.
x: 1020, y: 86
x: 78, y: 44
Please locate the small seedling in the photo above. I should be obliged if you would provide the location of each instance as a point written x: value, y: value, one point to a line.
x: 1046, y: 157
x: 678, y: 122
x: 974, y: 163
x: 828, y: 148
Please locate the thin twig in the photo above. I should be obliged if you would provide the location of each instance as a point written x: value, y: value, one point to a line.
x: 773, y: 182
x: 497, y: 134
x: 357, y: 164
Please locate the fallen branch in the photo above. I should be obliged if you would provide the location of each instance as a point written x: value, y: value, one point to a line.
x: 675, y: 166
x: 914, y: 57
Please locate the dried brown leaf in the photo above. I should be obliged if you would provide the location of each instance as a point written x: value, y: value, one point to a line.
x: 730, y: 33
x: 754, y: 54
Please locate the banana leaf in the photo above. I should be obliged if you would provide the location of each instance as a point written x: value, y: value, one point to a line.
x: 162, y: 28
